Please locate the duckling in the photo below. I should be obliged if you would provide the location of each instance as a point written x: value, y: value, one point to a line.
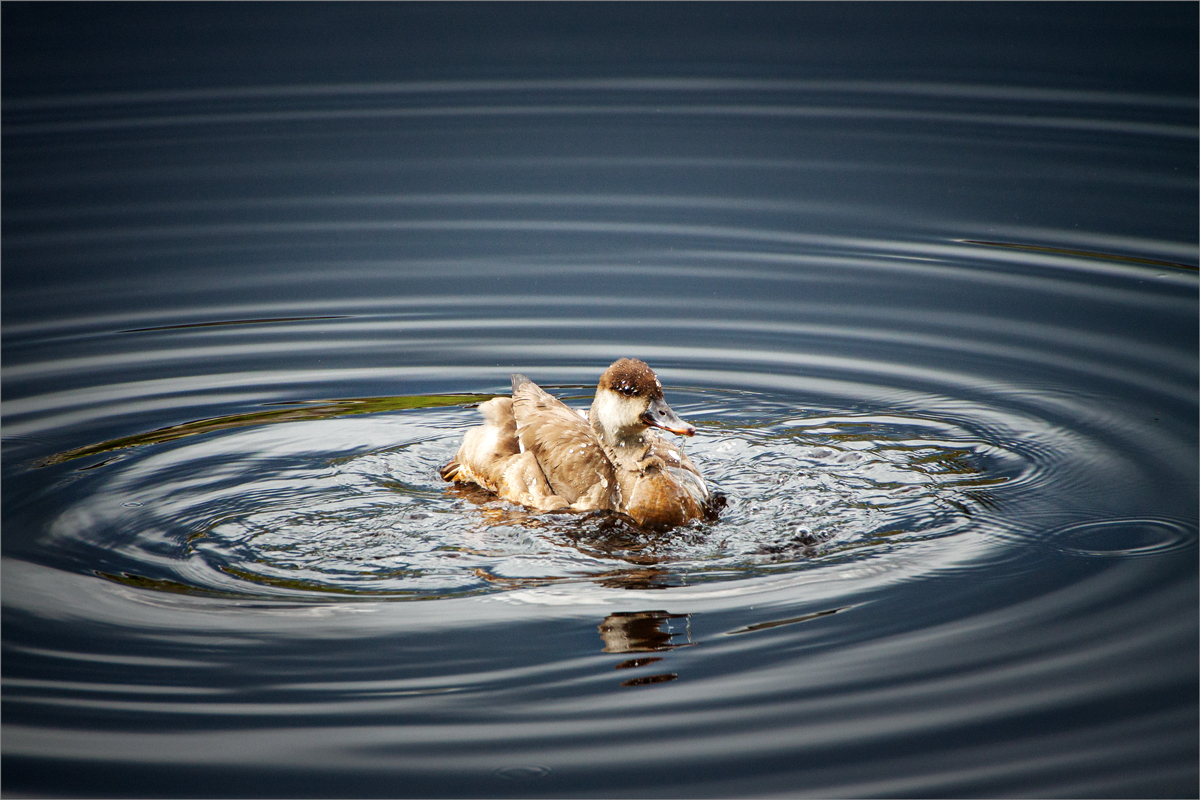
x: 534, y: 450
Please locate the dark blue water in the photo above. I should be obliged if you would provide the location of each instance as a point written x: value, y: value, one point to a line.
x: 924, y: 277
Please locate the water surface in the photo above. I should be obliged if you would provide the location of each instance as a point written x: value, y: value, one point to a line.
x: 934, y: 318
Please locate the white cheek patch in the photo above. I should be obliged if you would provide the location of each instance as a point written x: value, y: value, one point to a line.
x: 608, y: 409
x: 617, y: 412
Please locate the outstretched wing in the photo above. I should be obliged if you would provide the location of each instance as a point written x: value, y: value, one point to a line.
x: 562, y: 442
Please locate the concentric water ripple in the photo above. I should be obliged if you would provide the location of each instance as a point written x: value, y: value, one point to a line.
x: 319, y: 506
x: 831, y: 441
x: 938, y: 335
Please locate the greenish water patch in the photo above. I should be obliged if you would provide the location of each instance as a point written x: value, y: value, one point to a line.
x: 296, y: 411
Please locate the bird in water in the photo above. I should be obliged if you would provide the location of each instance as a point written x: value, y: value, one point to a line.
x: 534, y: 450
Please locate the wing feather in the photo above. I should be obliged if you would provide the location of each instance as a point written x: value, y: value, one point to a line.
x: 563, y: 444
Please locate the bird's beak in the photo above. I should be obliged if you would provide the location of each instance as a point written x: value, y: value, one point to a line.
x: 660, y: 415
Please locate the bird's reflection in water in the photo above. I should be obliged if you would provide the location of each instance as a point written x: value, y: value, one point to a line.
x: 610, y: 536
x: 643, y: 632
